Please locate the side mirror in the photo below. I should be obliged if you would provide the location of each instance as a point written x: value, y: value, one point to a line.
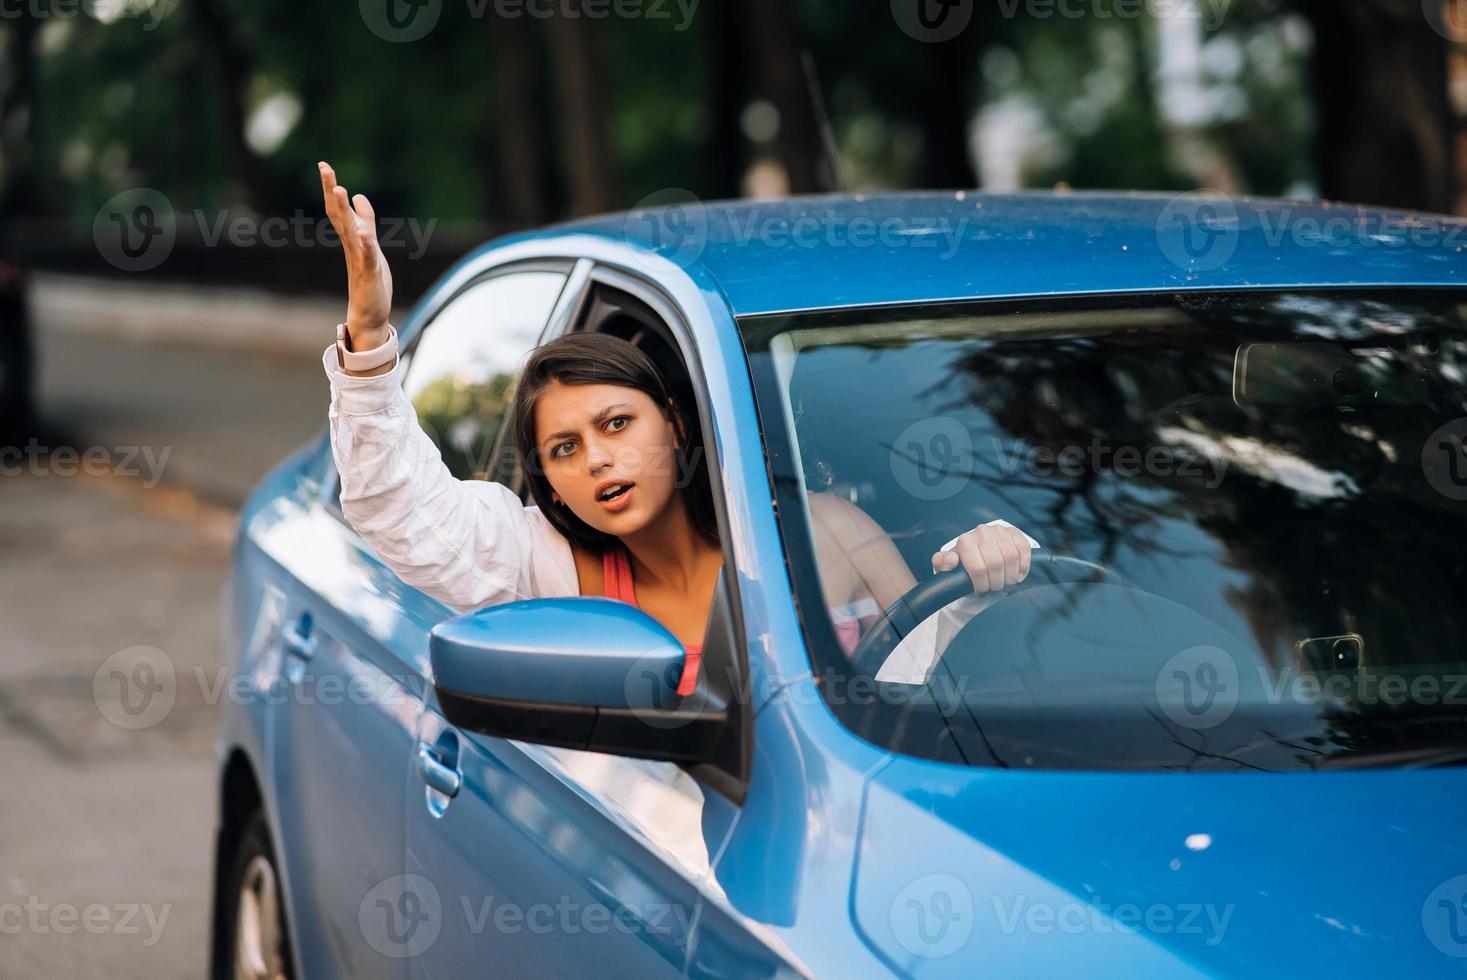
x: 586, y: 672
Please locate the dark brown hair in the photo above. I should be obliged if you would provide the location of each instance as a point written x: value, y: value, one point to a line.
x: 594, y: 358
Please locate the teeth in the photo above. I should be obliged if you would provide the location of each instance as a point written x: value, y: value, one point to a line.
x: 612, y: 491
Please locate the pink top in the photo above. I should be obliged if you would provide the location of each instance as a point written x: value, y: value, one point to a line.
x: 616, y: 566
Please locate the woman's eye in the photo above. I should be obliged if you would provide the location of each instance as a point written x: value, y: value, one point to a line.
x: 556, y: 452
x: 620, y: 418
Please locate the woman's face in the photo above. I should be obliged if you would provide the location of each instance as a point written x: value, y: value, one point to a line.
x: 591, y: 436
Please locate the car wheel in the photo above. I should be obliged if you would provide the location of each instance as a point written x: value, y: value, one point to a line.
x: 257, y: 944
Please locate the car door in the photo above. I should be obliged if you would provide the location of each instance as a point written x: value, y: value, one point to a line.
x: 540, y: 861
x: 354, y: 652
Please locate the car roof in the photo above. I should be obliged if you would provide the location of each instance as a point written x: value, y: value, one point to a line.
x: 826, y: 251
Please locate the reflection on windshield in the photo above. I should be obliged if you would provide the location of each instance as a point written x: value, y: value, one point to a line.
x: 1278, y: 481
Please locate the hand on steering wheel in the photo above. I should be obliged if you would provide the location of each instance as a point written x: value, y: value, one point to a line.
x: 995, y: 556
x: 926, y: 598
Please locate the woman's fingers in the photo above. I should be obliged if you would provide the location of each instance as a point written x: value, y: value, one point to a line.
x: 333, y: 195
x: 367, y: 232
x: 970, y: 554
x: 994, y: 556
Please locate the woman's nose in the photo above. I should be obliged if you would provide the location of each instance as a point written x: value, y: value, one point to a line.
x: 597, y: 458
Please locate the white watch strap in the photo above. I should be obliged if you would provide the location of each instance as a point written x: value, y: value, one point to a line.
x: 365, y: 360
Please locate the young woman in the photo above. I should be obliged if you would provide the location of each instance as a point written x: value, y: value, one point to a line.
x: 620, y: 507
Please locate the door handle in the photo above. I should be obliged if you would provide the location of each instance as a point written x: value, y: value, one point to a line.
x: 298, y: 640
x: 444, y: 779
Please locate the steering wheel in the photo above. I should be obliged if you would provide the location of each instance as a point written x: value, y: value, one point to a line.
x: 926, y: 598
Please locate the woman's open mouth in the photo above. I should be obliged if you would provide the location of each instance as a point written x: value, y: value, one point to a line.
x: 616, y: 497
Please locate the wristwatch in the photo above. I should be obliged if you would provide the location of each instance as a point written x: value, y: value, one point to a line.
x: 368, y: 359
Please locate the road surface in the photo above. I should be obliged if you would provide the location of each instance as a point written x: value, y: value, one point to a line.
x: 106, y: 850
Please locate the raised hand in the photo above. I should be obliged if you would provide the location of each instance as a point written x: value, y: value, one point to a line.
x: 368, y: 279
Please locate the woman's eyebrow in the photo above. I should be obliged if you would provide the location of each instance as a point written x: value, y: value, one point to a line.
x: 600, y: 417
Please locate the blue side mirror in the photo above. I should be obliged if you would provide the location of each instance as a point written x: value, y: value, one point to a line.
x: 581, y: 672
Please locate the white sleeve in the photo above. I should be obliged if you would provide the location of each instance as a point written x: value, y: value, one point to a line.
x: 467, y: 543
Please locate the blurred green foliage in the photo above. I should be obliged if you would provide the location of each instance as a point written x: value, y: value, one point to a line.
x: 153, y: 97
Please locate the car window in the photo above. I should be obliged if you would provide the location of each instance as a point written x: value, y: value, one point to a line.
x: 1259, y: 500
x: 461, y: 372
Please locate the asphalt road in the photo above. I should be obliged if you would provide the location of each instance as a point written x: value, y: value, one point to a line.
x: 105, y: 850
x: 211, y: 420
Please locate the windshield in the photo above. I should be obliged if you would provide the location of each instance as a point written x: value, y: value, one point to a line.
x: 1265, y: 492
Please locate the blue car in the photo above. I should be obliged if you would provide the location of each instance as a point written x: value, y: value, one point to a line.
x: 1218, y: 731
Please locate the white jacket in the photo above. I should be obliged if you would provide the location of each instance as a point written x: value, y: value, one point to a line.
x: 467, y: 543
x: 473, y: 543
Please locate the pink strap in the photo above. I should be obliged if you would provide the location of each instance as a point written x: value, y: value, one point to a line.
x: 616, y: 569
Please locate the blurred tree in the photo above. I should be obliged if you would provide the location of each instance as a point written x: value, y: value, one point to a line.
x: 517, y: 136
x: 777, y: 46
x: 584, y: 114
x: 1380, y: 92
x: 17, y: 113
x: 232, y: 61
x: 725, y: 155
